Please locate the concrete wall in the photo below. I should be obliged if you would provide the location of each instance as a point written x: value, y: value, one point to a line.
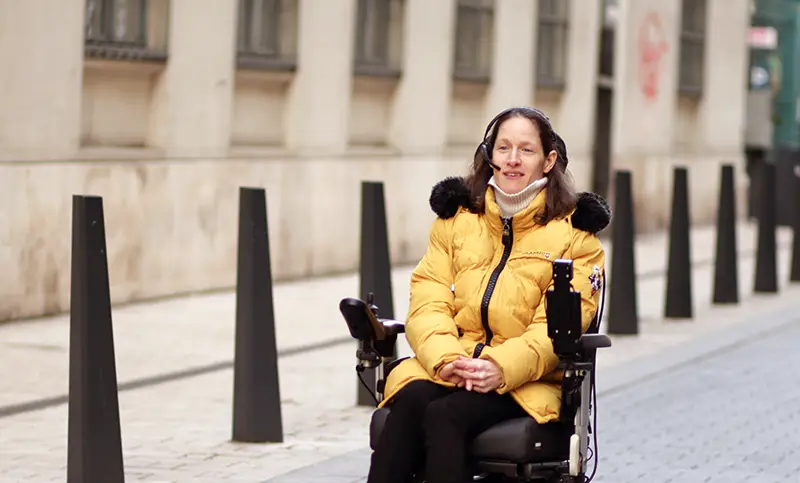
x: 168, y: 144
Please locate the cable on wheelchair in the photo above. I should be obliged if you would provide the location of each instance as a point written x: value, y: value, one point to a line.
x: 359, y: 371
x: 595, y: 454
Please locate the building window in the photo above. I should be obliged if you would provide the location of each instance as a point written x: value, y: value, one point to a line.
x: 267, y: 33
x: 607, y: 36
x: 553, y: 43
x: 118, y: 29
x: 377, y: 43
x: 116, y: 21
x: 692, y: 54
x: 474, y: 40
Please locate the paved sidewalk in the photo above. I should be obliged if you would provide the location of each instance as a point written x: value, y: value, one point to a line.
x: 177, y: 428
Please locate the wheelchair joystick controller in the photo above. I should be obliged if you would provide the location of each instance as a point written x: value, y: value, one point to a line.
x: 376, y: 336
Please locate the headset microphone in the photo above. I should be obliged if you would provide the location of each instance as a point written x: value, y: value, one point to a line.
x: 487, y: 158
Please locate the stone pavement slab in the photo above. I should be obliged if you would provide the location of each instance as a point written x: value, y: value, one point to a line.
x: 181, y: 431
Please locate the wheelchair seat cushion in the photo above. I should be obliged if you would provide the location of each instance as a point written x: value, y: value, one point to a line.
x: 519, y: 440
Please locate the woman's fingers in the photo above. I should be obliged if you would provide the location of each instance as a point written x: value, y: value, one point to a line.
x: 475, y: 374
x: 472, y: 375
x: 462, y: 373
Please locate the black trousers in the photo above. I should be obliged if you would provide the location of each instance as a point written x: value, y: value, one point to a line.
x: 430, y: 428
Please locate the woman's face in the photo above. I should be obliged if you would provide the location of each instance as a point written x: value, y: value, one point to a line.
x: 518, y: 152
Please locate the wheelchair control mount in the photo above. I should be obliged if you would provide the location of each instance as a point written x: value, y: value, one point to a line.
x: 564, y: 312
x: 377, y: 336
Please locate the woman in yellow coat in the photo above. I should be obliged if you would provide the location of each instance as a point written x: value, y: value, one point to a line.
x: 476, y: 321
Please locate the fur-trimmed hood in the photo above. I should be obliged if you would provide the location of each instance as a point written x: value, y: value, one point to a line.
x: 592, y: 213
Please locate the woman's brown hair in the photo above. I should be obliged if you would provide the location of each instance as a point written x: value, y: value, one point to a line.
x: 560, y: 197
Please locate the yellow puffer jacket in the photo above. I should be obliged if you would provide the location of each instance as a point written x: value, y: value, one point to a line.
x: 452, y: 285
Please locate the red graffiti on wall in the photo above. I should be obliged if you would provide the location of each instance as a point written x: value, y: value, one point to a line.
x: 652, y: 46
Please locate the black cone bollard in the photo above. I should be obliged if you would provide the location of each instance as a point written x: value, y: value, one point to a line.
x: 726, y: 272
x: 375, y: 271
x: 94, y: 446
x: 766, y: 256
x: 794, y: 274
x: 622, y: 312
x: 679, y: 269
x: 256, y: 393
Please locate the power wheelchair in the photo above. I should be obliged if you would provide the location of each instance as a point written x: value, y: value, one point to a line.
x: 517, y: 450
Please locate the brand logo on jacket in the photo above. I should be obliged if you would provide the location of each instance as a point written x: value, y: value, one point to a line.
x: 596, y: 279
x: 538, y: 254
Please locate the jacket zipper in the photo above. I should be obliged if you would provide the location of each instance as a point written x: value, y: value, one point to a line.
x: 508, y: 240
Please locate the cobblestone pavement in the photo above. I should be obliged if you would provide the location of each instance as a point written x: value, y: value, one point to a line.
x: 728, y: 418
x: 173, y: 366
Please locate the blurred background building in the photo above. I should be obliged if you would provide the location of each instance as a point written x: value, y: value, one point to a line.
x: 166, y: 107
x: 773, y: 108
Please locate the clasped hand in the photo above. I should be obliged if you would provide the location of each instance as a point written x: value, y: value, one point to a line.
x: 478, y: 375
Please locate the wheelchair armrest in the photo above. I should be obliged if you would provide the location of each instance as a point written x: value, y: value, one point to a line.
x: 392, y: 326
x: 391, y: 365
x: 590, y: 342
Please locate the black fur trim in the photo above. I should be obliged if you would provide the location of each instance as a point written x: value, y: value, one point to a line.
x: 592, y: 213
x: 448, y: 195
